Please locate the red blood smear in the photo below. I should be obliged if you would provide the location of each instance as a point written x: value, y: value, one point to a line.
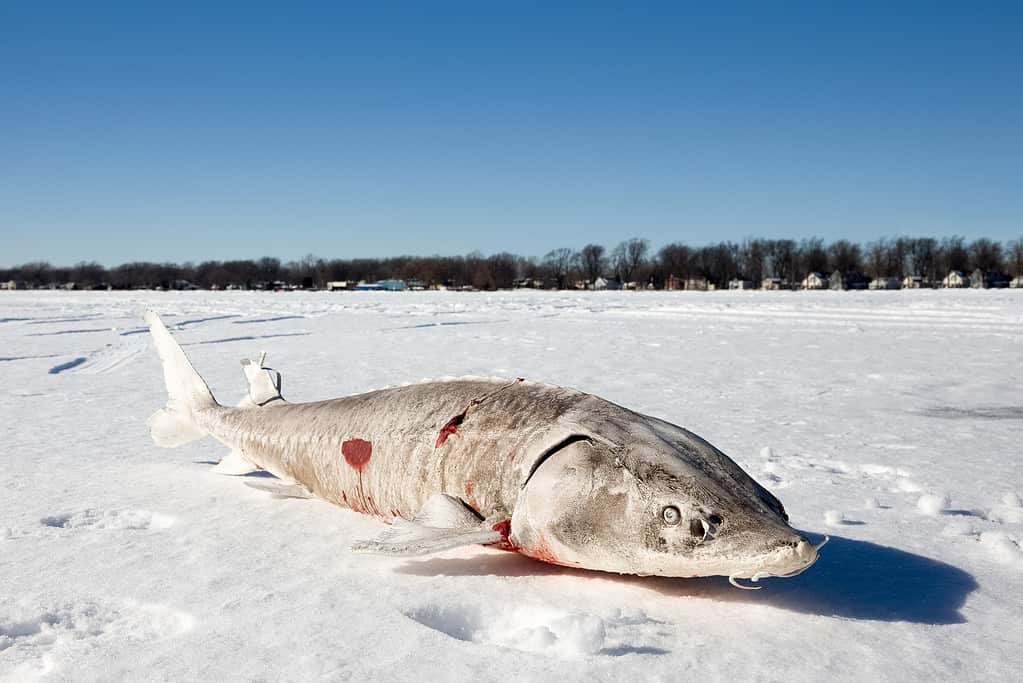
x: 543, y: 552
x: 357, y: 453
x: 504, y: 528
x: 451, y: 427
x: 468, y: 489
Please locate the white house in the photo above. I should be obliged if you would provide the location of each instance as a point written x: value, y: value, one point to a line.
x: 914, y: 282
x: 885, y: 283
x: 602, y: 283
x: 1017, y: 282
x: 740, y: 284
x: 814, y: 281
x: 955, y: 280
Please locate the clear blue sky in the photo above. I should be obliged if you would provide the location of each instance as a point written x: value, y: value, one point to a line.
x: 135, y: 132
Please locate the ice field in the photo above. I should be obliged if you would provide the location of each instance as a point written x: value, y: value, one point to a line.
x: 890, y: 421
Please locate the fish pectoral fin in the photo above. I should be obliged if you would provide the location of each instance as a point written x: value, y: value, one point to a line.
x: 405, y: 538
x: 447, y: 512
x: 281, y: 489
x: 234, y: 464
x: 444, y: 522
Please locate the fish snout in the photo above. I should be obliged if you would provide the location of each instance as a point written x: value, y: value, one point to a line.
x: 805, y: 551
x: 801, y: 555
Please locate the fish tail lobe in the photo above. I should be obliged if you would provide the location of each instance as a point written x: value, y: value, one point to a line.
x: 187, y: 392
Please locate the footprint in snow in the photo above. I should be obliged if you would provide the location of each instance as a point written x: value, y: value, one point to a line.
x: 539, y: 628
x: 109, y: 520
x: 34, y: 643
x: 107, y: 359
x: 1008, y: 511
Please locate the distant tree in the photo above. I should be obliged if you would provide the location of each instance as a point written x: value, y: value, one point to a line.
x: 36, y: 274
x: 752, y: 260
x: 846, y: 257
x: 718, y: 263
x: 952, y: 255
x: 628, y: 256
x: 781, y: 259
x: 269, y: 268
x: 559, y: 263
x: 504, y: 268
x: 86, y: 275
x: 592, y: 262
x: 675, y: 259
x: 1015, y: 251
x: 813, y: 257
x: 921, y: 256
x: 884, y: 258
x: 986, y: 255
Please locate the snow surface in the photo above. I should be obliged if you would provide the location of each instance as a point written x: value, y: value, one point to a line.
x: 868, y: 414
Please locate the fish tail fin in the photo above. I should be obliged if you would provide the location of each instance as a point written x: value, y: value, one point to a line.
x: 264, y: 383
x: 187, y: 393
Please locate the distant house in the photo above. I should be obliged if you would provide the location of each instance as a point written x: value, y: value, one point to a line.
x: 675, y: 283
x: 528, y: 283
x: 338, y: 286
x: 416, y: 285
x: 772, y: 283
x: 602, y: 283
x: 885, y: 283
x: 843, y: 281
x: 1016, y: 282
x: 988, y: 280
x: 698, y: 284
x: 381, y: 286
x: 915, y: 282
x: 955, y: 280
x: 814, y: 281
x: 740, y: 284
x: 14, y: 284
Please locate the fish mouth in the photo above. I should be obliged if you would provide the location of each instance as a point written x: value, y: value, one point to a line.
x: 804, y: 548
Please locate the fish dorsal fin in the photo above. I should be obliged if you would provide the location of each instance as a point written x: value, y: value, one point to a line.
x: 443, y: 522
x: 264, y: 383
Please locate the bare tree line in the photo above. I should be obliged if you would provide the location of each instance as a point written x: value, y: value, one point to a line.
x: 631, y: 261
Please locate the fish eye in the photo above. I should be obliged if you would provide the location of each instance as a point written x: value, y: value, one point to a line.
x: 671, y: 515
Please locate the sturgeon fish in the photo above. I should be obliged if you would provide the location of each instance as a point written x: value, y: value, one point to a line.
x: 553, y: 473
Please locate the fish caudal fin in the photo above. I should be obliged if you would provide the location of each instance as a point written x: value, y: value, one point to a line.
x: 444, y: 522
x: 187, y: 392
x: 264, y: 383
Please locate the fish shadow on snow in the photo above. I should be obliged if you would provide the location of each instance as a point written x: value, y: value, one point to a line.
x: 852, y: 579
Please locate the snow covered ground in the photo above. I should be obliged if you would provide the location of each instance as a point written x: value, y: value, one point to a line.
x: 892, y: 421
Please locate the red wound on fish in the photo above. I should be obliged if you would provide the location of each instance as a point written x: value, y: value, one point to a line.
x: 468, y: 489
x: 543, y: 552
x: 503, y: 528
x: 357, y: 453
x: 449, y: 428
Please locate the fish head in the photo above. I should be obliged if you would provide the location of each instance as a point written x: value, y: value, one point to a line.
x: 655, y: 508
